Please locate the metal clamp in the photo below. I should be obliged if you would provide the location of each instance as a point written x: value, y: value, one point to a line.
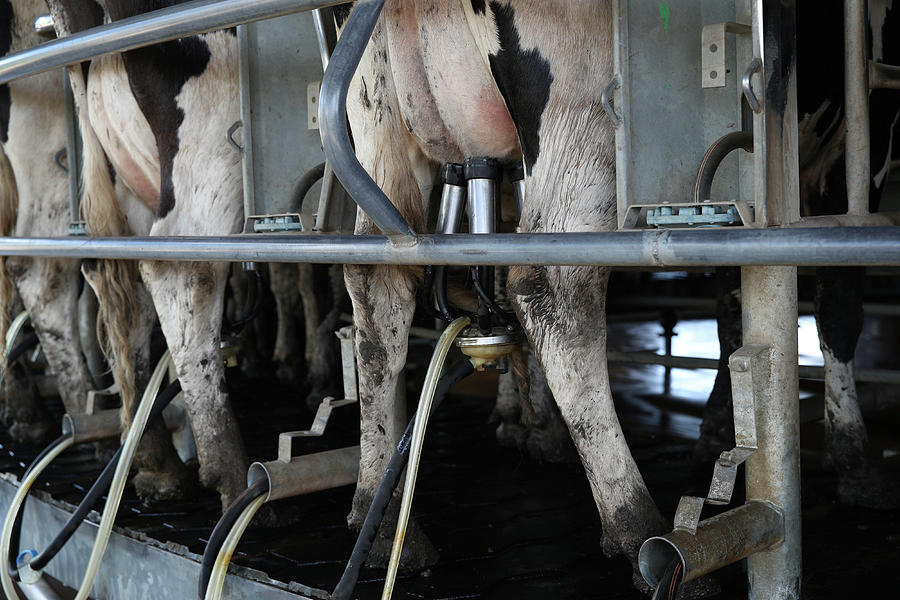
x: 713, y: 52
x: 43, y: 25
x: 320, y: 422
x: 229, y: 136
x: 606, y: 100
x: 750, y: 367
x: 747, y: 85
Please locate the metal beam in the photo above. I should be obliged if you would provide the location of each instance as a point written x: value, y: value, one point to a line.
x: 333, y: 121
x: 836, y: 246
x: 856, y: 107
x: 157, y: 26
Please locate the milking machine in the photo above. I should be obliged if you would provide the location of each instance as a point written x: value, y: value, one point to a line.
x: 483, y: 337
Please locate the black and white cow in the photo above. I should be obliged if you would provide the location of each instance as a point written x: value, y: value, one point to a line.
x: 35, y: 202
x: 158, y: 115
x: 838, y: 296
x: 442, y: 81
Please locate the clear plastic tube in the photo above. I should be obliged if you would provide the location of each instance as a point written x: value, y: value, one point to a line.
x: 6, y: 537
x: 117, y: 487
x: 415, y: 451
x: 220, y: 570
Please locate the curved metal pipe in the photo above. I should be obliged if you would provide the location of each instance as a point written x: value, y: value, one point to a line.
x: 721, y: 148
x: 333, y: 122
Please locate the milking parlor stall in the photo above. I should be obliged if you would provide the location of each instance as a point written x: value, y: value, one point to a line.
x: 404, y: 317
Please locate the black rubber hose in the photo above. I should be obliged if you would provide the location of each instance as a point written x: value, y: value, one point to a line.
x: 22, y: 347
x: 485, y: 298
x: 388, y: 484
x: 100, y: 486
x: 253, y: 304
x: 224, y: 527
x: 721, y: 148
x: 670, y: 583
x: 440, y: 292
x: 17, y: 521
x: 303, y: 185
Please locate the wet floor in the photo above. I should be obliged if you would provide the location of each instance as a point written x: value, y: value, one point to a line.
x: 507, y: 527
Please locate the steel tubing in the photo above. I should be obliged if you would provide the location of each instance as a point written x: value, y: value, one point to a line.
x: 769, y: 298
x: 719, y: 541
x: 836, y: 246
x: 157, y: 26
x: 333, y: 121
x: 856, y: 105
x: 307, y: 474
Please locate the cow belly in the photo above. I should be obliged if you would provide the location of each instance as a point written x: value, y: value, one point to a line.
x: 446, y: 92
x: 123, y: 130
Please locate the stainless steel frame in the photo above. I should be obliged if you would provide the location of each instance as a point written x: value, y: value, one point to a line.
x: 860, y: 246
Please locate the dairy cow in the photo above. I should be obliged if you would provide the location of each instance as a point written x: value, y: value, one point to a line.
x: 441, y: 81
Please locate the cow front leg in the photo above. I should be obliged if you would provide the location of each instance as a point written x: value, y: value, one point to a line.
x: 567, y: 328
x: 839, y: 316
x: 383, y: 305
x: 189, y: 299
x: 288, y: 353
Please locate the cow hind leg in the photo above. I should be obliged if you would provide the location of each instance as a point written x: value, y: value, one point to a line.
x: 568, y: 331
x: 383, y: 305
x: 189, y: 299
x: 839, y: 315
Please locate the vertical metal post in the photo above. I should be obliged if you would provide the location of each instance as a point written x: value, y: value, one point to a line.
x: 243, y: 39
x: 856, y: 107
x: 73, y: 154
x: 769, y: 297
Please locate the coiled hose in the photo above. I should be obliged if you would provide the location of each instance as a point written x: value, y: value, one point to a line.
x: 223, y: 528
x: 97, y: 490
x: 129, y: 447
x: 223, y: 557
x: 389, y: 481
x: 13, y: 522
x: 418, y: 439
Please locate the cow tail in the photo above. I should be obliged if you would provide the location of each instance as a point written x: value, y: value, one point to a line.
x: 114, y: 281
x: 9, y: 207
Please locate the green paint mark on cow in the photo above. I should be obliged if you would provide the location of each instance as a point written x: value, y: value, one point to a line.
x: 664, y: 13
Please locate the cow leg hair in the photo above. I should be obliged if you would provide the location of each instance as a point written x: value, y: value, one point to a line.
x: 288, y: 353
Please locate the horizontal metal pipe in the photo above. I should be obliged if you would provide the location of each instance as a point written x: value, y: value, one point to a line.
x: 883, y: 76
x: 307, y: 474
x: 719, y: 541
x: 690, y: 362
x: 157, y: 26
x: 709, y: 304
x: 835, y: 246
x: 101, y: 425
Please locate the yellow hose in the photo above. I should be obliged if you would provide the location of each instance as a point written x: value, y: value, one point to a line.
x: 415, y: 450
x: 223, y: 559
x: 6, y: 538
x: 117, y: 487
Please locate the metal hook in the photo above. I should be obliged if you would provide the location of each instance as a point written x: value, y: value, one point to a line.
x: 58, y: 159
x: 747, y: 85
x: 230, y: 135
x: 606, y: 100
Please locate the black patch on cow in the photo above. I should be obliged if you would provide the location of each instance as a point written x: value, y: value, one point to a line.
x: 6, y: 25
x: 156, y: 75
x: 478, y: 7
x: 839, y: 311
x: 341, y: 12
x: 524, y: 79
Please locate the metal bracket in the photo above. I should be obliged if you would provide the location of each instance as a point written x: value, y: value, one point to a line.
x: 607, y: 100
x: 713, y: 51
x: 43, y: 25
x: 686, y: 214
x: 274, y: 223
x: 747, y: 85
x: 78, y: 228
x: 347, y: 337
x: 750, y: 367
x: 312, y: 104
x: 91, y: 407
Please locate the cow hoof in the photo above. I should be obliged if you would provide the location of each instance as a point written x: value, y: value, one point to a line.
x: 36, y: 433
x: 159, y: 486
x: 418, y: 551
x: 869, y: 487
